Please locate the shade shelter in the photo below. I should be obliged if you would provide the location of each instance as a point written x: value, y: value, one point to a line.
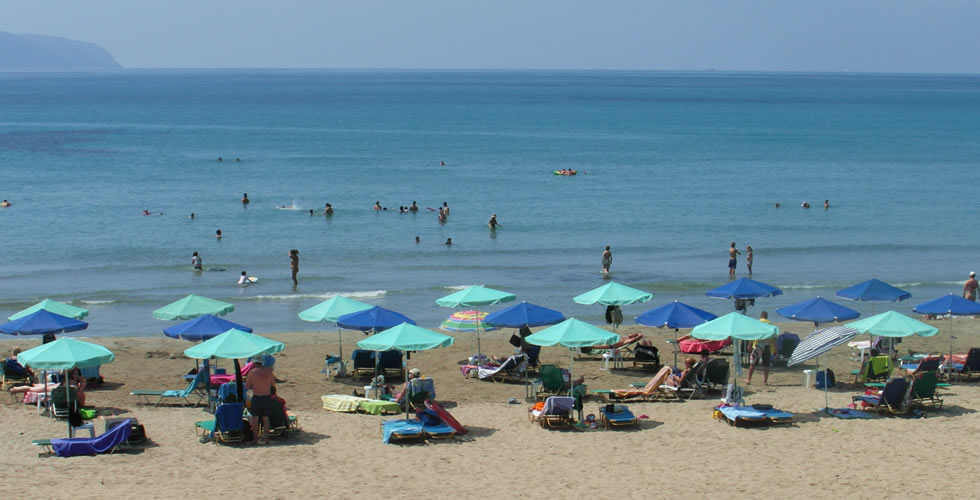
x: 892, y: 324
x: 405, y: 337
x: 191, y: 307
x: 952, y: 305
x: 744, y: 288
x: 54, y: 306
x: 329, y: 311
x: 203, y: 328
x: 476, y: 296
x: 374, y: 319
x: 524, y: 315
x: 817, y: 343
x: 234, y: 344
x: 572, y: 333
x: 739, y: 327
x: 675, y: 315
x: 817, y: 310
x: 874, y: 290
x: 42, y: 322
x: 466, y: 321
x: 613, y: 294
x: 65, y: 354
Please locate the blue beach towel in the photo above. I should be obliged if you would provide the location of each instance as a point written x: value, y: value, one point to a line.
x: 405, y: 429
x: 92, y: 446
x: 847, y: 413
x: 750, y: 413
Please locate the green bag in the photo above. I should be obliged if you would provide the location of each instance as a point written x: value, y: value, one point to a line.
x: 87, y: 414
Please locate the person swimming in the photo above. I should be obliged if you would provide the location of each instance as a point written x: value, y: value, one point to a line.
x: 377, y: 205
x: 311, y: 212
x: 191, y: 216
x: 217, y: 234
x: 328, y: 209
x: 243, y: 280
x: 493, y: 221
x: 414, y: 207
x: 449, y: 242
x: 245, y: 200
x: 5, y: 204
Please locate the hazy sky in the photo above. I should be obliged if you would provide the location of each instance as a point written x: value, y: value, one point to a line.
x: 782, y: 35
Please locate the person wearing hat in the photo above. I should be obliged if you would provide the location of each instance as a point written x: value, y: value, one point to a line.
x: 413, y: 374
x: 260, y: 381
x: 970, y: 288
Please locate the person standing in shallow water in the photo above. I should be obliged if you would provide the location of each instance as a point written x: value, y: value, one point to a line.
x: 294, y: 264
x: 606, y: 259
x: 732, y: 259
x: 748, y: 258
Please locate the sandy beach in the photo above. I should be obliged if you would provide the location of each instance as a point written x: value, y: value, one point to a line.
x: 679, y: 450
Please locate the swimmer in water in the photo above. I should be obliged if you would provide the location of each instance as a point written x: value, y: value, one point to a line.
x: 197, y: 262
x: 243, y: 280
x: 413, y: 208
x: 217, y: 234
x: 377, y: 205
x: 191, y: 216
x: 328, y: 209
x: 805, y: 204
x: 311, y: 212
x: 492, y: 222
x: 442, y: 163
x: 5, y: 204
x: 245, y: 200
x: 449, y: 242
x: 417, y: 240
x: 826, y: 204
x: 146, y: 212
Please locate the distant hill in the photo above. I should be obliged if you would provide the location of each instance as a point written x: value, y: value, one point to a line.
x: 51, y: 53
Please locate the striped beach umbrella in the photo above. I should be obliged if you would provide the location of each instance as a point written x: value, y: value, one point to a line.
x: 819, y: 342
x: 466, y: 321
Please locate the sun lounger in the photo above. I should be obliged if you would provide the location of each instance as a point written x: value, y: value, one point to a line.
x: 224, y: 378
x: 108, y: 442
x: 556, y: 412
x: 651, y: 392
x: 228, y: 425
x: 646, y: 356
x: 626, y: 343
x: 923, y: 390
x: 401, y: 430
x: 434, y: 426
x: 350, y: 404
x: 892, y: 398
x: 612, y: 416
x: 876, y: 368
x: 691, y: 345
x: 970, y: 366
x: 552, y: 380
x: 143, y: 397
x: 749, y: 416
x: 513, y: 368
x: 446, y: 416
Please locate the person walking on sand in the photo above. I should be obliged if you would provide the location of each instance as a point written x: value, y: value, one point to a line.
x: 197, y: 262
x: 294, y: 264
x: 970, y: 287
x: 606, y: 259
x: 733, y: 254
x: 748, y: 258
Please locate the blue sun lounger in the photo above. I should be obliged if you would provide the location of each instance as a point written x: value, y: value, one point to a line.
x: 616, y: 416
x: 745, y: 416
x: 401, y: 430
x: 106, y: 443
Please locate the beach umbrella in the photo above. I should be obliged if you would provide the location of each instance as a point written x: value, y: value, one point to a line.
x: 191, y: 307
x: 466, y: 321
x: 203, y: 328
x: 234, y: 344
x: 739, y: 327
x: 744, y: 288
x: 675, y: 315
x: 613, y: 294
x: 405, y: 337
x: 42, y: 322
x: 524, y: 315
x: 374, y: 319
x: 65, y: 354
x: 817, y: 310
x: 874, y: 290
x: 331, y: 310
x: 817, y: 343
x: 54, y: 306
x: 572, y: 333
x: 893, y: 324
x: 952, y: 305
x: 476, y: 296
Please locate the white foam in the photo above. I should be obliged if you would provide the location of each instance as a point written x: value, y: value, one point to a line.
x: 458, y: 287
x: 96, y: 302
x: 326, y: 295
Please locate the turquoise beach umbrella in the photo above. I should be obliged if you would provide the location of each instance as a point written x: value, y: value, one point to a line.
x: 476, y: 296
x: 613, y: 294
x: 191, y: 307
x: 234, y: 344
x: 740, y: 327
x: 329, y: 311
x: 572, y: 333
x: 54, y: 306
x: 893, y: 324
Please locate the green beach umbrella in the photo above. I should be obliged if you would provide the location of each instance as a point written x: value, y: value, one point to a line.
x: 740, y: 327
x: 572, y: 333
x: 328, y: 311
x: 54, y: 306
x: 65, y: 354
x: 191, y: 307
x: 405, y: 337
x: 893, y: 324
x: 476, y: 296
x: 234, y: 344
x: 613, y: 294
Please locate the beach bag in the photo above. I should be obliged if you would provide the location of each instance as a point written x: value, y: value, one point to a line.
x: 515, y: 340
x: 827, y: 380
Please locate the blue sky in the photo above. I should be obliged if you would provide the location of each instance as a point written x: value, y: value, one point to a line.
x: 766, y: 35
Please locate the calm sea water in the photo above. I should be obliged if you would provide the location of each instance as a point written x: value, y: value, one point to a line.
x: 678, y: 165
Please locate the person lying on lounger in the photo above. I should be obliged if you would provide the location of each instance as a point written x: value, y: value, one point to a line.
x: 677, y: 379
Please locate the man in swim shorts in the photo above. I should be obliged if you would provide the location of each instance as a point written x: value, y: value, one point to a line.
x: 732, y: 259
x: 260, y: 380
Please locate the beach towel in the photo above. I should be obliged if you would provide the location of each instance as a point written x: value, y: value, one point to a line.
x: 93, y: 446
x: 748, y: 414
x: 403, y: 429
x: 341, y: 402
x: 847, y: 413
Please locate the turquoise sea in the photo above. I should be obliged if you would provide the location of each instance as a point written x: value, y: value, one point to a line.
x: 671, y: 168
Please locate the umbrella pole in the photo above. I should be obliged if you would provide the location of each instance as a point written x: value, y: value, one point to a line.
x: 238, y: 382
x: 67, y: 386
x: 677, y: 347
x: 479, y: 353
x: 340, y: 342
x: 950, y: 361
x: 207, y: 385
x: 406, y: 390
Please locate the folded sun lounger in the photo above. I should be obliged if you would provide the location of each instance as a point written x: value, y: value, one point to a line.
x: 616, y: 416
x: 747, y: 416
x: 401, y: 430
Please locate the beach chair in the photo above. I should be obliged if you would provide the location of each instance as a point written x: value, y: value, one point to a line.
x: 433, y: 425
x: 785, y: 344
x: 391, y: 364
x: 653, y: 391
x: 228, y: 425
x: 533, y: 354
x: 715, y: 374
x: 926, y: 364
x: 892, y: 399
x: 646, y: 356
x: 556, y: 412
x: 193, y: 388
x: 11, y: 378
x: 612, y: 416
x: 108, y: 442
x: 419, y: 390
x: 551, y: 380
x: 923, y: 390
x: 876, y: 368
x: 513, y: 368
x: 970, y: 366
x: 58, y: 405
x: 363, y: 361
x: 93, y: 378
x: 401, y: 430
x: 693, y: 383
x: 279, y: 421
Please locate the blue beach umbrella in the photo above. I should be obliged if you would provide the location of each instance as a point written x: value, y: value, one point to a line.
x: 374, y: 319
x: 523, y: 315
x: 953, y: 305
x: 42, y: 322
x: 203, y: 328
x: 817, y: 310
x: 873, y: 290
x: 675, y: 315
x: 744, y: 288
